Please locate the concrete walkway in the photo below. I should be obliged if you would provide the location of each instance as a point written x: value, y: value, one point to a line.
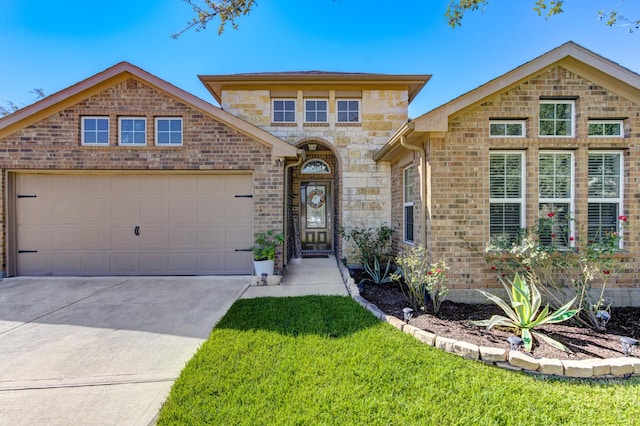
x: 304, y: 277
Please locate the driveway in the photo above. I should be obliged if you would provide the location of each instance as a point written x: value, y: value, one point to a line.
x: 101, y: 351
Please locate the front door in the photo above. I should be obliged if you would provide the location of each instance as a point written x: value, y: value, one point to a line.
x: 315, y: 216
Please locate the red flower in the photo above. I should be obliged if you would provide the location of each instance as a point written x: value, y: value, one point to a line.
x: 503, y: 275
x: 553, y: 235
x: 606, y: 271
x: 493, y: 267
x: 438, y: 270
x: 623, y: 218
x: 430, y: 273
x: 551, y: 215
x: 571, y: 238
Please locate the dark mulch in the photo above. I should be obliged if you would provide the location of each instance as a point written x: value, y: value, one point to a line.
x: 453, y: 321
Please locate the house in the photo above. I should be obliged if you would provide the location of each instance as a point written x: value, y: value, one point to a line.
x: 124, y: 173
x: 558, y: 135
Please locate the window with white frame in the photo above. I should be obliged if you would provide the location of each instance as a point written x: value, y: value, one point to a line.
x: 507, y: 200
x: 605, y: 128
x: 555, y: 198
x: 348, y: 111
x: 169, y: 131
x: 284, y: 110
x: 133, y: 131
x: 408, y: 204
x: 507, y: 128
x: 557, y: 118
x: 315, y: 110
x: 605, y: 194
x: 95, y: 130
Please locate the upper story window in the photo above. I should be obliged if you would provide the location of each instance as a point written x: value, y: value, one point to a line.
x: 507, y: 128
x: 168, y: 131
x: 315, y: 110
x: 284, y: 110
x: 507, y: 200
x: 557, y: 118
x: 95, y: 130
x: 605, y: 128
x: 407, y: 195
x: 133, y: 131
x: 348, y: 111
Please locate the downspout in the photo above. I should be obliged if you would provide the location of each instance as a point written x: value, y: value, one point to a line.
x: 301, y: 157
x: 423, y: 181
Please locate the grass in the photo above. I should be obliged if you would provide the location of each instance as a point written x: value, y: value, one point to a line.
x: 325, y: 360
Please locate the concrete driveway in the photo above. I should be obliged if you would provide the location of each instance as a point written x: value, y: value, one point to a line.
x: 101, y: 351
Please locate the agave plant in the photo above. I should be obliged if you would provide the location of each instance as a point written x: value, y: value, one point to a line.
x: 375, y: 274
x: 523, y: 314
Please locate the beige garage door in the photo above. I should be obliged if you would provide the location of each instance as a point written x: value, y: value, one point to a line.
x: 133, y: 224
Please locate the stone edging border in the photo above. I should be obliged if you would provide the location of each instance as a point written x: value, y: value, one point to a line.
x: 503, y: 358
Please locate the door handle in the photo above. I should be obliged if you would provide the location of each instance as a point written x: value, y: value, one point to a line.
x: 136, y: 230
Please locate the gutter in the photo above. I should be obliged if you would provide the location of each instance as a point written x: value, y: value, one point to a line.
x: 406, y: 130
x: 301, y: 157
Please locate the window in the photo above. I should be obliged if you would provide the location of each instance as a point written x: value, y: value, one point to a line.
x: 348, y: 111
x: 316, y: 167
x: 605, y: 194
x: 506, y: 188
x: 507, y: 129
x: 556, y: 118
x: 555, y: 189
x: 169, y: 131
x: 133, y: 131
x: 95, y: 130
x: 284, y: 110
x: 605, y: 128
x: 408, y: 204
x: 315, y: 111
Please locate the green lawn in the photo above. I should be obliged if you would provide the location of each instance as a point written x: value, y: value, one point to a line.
x: 325, y: 360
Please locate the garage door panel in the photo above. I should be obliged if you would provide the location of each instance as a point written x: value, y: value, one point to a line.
x: 96, y: 238
x: 66, y: 210
x: 95, y: 210
x: 183, y: 236
x: 154, y: 211
x: 125, y: 263
x: 188, y: 224
x: 34, y: 237
x: 154, y: 237
x: 182, y: 211
x: 123, y: 238
x: 236, y: 213
x: 211, y: 211
x: 66, y: 238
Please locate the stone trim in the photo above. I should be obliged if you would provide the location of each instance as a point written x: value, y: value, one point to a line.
x: 511, y: 360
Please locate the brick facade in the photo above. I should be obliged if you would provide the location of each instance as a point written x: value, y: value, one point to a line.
x: 458, y: 222
x: 54, y: 143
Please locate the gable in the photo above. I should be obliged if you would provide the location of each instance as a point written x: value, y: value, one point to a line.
x: 135, y: 78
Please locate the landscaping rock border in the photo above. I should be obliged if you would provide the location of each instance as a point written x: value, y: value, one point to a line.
x: 508, y: 359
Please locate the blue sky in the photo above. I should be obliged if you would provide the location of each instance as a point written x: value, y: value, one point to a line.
x: 57, y: 44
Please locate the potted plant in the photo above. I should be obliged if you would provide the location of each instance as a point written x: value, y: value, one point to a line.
x: 264, y: 251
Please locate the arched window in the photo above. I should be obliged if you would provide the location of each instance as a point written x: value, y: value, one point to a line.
x: 316, y: 166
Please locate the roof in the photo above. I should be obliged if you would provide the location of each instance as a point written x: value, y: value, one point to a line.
x: 413, y: 83
x: 118, y: 73
x: 570, y: 55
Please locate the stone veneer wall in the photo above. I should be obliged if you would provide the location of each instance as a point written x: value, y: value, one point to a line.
x: 459, y: 223
x: 54, y: 144
x: 365, y: 185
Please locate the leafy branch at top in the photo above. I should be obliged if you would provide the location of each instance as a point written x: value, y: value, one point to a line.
x: 227, y: 11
